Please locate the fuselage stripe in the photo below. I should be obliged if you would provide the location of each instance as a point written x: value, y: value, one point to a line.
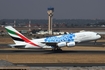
x: 26, y: 40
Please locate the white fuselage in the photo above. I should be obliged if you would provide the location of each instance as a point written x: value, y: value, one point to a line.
x: 67, y: 38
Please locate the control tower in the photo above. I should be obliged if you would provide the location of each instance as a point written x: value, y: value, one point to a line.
x: 50, y: 11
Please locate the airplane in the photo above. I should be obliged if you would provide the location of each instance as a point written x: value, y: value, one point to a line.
x: 53, y: 42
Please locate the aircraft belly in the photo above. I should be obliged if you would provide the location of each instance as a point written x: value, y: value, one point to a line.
x: 47, y: 47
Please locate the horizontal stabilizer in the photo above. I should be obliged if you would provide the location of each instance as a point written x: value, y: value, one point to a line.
x: 17, y: 46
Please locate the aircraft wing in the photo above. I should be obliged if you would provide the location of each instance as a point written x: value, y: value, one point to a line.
x: 54, y: 44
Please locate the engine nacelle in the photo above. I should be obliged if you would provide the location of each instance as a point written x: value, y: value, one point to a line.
x: 71, y: 44
x: 61, y: 44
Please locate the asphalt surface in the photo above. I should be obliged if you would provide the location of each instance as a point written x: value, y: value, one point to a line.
x: 60, y: 64
x: 3, y: 50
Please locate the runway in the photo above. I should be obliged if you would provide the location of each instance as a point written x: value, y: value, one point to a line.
x: 61, y: 64
x: 38, y: 51
x: 83, y: 54
x: 4, y: 48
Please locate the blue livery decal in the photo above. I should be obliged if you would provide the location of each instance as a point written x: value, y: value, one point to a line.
x: 62, y: 38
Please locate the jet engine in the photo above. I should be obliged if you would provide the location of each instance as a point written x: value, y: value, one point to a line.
x: 61, y: 44
x: 70, y: 44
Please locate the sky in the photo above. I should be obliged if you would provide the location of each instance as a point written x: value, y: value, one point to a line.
x: 63, y: 9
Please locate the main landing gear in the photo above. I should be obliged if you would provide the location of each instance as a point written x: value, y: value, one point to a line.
x: 57, y: 49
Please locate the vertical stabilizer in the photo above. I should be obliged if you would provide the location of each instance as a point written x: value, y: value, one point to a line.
x: 17, y: 36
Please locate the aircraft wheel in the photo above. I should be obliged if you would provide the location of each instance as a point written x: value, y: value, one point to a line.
x: 54, y: 49
x: 59, y: 49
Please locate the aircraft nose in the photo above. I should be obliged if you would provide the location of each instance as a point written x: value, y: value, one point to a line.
x: 99, y: 36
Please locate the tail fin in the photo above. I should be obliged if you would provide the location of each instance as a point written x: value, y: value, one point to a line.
x: 17, y: 36
x: 14, y: 34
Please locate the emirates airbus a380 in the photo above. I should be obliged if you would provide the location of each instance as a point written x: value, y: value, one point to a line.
x: 54, y: 42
